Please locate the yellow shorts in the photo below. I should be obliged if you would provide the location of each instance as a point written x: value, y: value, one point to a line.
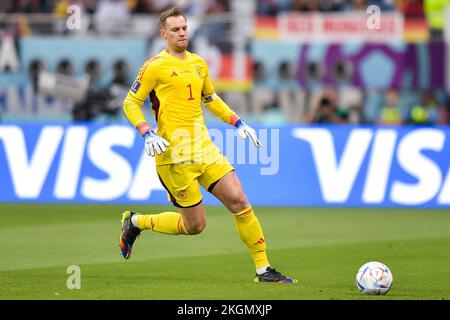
x: 182, y: 181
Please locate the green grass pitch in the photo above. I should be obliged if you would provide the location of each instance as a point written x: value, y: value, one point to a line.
x: 322, y: 247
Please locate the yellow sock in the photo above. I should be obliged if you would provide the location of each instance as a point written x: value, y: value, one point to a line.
x: 166, y: 222
x: 250, y: 231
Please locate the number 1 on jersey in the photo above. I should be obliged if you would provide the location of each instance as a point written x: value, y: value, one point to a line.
x: 190, y: 92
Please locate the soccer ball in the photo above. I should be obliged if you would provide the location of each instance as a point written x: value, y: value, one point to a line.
x: 374, y: 278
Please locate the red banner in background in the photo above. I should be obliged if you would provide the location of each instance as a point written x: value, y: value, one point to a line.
x: 331, y: 27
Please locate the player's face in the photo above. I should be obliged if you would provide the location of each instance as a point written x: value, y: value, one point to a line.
x: 175, y: 33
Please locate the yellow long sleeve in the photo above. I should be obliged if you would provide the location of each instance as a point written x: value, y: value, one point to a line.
x: 133, y: 110
x: 221, y: 110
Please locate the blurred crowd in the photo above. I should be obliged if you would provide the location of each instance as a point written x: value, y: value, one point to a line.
x: 123, y: 6
x: 264, y: 7
x: 106, y: 17
x: 430, y: 11
x: 274, y: 7
x: 389, y: 107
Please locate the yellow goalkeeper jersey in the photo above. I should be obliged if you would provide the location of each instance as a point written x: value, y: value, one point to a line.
x: 176, y: 88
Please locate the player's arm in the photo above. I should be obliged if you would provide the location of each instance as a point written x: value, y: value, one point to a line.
x: 221, y: 110
x: 132, y: 107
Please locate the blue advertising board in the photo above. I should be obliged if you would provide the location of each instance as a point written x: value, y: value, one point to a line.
x: 301, y: 165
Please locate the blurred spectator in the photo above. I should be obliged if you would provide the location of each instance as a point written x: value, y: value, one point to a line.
x: 5, y: 6
x: 358, y: 5
x: 106, y: 102
x: 327, y: 110
x: 331, y: 5
x: 273, y: 7
x: 25, y: 6
x: 412, y: 9
x: 444, y: 112
x: 161, y: 5
x: 18, y: 24
x: 355, y: 115
x: 384, y: 5
x: 350, y: 99
x: 190, y: 7
x: 193, y: 7
x: 426, y: 112
x: 435, y: 14
x: 390, y: 112
x: 305, y: 5
x: 141, y: 6
x: 217, y: 6
x: 112, y: 17
x: 320, y: 5
x: 90, y: 6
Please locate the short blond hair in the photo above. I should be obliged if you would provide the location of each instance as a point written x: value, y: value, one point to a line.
x: 172, y: 12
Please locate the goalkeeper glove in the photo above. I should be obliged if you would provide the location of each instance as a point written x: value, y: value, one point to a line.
x: 154, y: 144
x: 244, y: 131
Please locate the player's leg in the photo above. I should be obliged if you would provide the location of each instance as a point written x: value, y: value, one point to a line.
x: 181, y: 184
x: 194, y: 218
x: 229, y: 191
x: 184, y: 192
x: 190, y: 220
x: 133, y: 223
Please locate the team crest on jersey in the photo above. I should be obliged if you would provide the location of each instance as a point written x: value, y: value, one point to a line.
x: 198, y: 71
x: 135, y: 86
x: 182, y: 195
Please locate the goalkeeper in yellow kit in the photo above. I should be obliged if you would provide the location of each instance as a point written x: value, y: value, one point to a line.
x: 177, y: 82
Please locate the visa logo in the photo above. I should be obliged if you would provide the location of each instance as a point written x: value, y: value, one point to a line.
x: 384, y: 149
x: 63, y: 154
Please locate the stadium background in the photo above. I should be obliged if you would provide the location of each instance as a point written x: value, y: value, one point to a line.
x: 354, y: 111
